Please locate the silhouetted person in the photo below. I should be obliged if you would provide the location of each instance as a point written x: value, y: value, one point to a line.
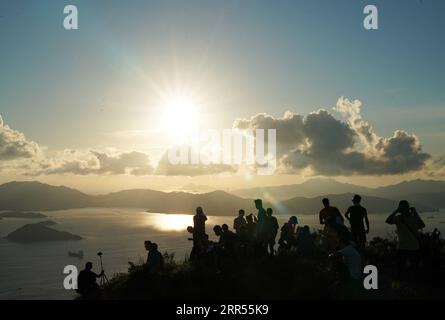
x: 251, y: 226
x: 332, y: 219
x: 199, y: 224
x: 261, y: 235
x: 147, y: 245
x: 271, y: 229
x: 408, y: 224
x: 348, y: 264
x: 239, y: 223
x: 227, y: 239
x: 329, y: 215
x: 305, y: 240
x: 261, y: 214
x: 155, y: 260
x: 196, y: 249
x: 86, y: 282
x: 357, y: 217
x: 288, y: 237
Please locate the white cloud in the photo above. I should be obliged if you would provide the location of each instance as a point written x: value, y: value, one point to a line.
x: 78, y: 163
x: 14, y: 145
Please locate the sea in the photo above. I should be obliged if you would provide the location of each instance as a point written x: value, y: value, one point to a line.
x: 35, y: 271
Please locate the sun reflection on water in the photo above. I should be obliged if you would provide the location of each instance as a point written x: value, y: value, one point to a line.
x: 168, y: 222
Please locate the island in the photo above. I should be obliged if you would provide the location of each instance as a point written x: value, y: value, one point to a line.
x: 21, y: 214
x: 40, y: 232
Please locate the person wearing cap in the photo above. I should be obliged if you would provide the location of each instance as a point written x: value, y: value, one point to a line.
x: 357, y: 216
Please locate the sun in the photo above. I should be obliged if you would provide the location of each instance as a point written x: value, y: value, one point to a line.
x: 180, y: 116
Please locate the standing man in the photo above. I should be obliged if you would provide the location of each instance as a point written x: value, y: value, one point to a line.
x: 260, y: 231
x: 199, y: 224
x: 356, y: 215
x: 271, y: 230
x: 329, y: 216
x: 333, y: 221
x: 239, y: 223
x: 408, y: 224
x: 86, y: 281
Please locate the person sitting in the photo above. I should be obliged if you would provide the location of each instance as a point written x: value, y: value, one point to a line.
x: 227, y: 239
x: 155, y: 260
x: 348, y: 264
x: 239, y: 222
x: 305, y: 240
x: 87, y: 286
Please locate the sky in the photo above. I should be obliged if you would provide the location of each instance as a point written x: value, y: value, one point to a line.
x: 86, y: 107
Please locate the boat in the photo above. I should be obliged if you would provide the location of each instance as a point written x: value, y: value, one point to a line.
x: 78, y: 255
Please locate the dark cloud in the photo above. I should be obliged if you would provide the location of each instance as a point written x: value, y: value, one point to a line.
x: 14, y: 145
x: 329, y: 146
x: 289, y: 128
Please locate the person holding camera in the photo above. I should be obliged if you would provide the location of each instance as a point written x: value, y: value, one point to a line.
x: 408, y: 223
x: 86, y: 282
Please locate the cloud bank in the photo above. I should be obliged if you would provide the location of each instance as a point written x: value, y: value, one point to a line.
x: 94, y: 162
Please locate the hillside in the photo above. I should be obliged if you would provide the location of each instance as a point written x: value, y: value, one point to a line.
x: 32, y: 195
x: 309, y: 189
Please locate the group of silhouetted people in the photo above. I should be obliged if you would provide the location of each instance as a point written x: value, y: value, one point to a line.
x: 252, y: 235
x: 257, y: 234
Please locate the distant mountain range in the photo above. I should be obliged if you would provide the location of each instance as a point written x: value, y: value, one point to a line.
x: 29, y: 196
x: 427, y: 192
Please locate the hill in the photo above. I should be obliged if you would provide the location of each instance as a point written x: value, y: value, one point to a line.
x: 407, y: 188
x: 32, y: 195
x: 40, y: 232
x: 308, y: 189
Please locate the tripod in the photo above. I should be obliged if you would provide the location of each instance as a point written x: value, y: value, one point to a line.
x: 103, y: 280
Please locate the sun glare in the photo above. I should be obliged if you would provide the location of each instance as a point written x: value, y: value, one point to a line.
x: 169, y: 222
x: 180, y: 116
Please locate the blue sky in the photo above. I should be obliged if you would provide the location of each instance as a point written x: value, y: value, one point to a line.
x: 70, y: 89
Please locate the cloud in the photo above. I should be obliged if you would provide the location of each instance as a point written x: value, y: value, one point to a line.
x: 14, y: 145
x: 289, y: 128
x: 437, y: 168
x: 166, y: 168
x: 75, y: 162
x: 328, y: 146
